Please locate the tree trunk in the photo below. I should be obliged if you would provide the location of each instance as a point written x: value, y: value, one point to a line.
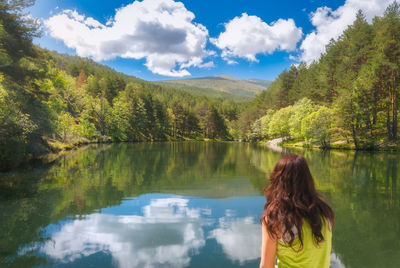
x: 389, y: 131
x: 394, y: 117
x: 394, y: 109
x: 353, y: 126
x: 374, y: 109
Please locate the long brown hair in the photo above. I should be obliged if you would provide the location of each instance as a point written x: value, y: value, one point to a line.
x: 292, y: 198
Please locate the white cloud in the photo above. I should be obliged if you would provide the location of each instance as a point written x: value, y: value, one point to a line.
x: 331, y: 24
x: 246, y: 36
x: 160, y: 31
x: 74, y: 15
x: 209, y: 64
x: 176, y: 233
x: 231, y: 62
x: 240, y: 238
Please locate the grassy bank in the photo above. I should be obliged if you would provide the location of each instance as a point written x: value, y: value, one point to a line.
x: 339, y: 145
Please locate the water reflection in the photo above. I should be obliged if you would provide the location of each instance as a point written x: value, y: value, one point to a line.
x: 156, y: 230
x: 239, y: 237
x: 335, y: 261
x: 186, y: 204
x: 164, y: 235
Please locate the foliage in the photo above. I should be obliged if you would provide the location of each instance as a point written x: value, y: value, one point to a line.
x: 317, y: 126
x: 356, y: 80
x: 279, y: 124
x: 48, y: 98
x: 301, y: 109
x: 351, y: 93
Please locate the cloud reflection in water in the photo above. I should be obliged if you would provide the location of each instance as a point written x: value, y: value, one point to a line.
x: 240, y: 238
x: 175, y: 230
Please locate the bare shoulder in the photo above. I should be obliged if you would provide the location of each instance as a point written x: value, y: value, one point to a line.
x: 264, y: 222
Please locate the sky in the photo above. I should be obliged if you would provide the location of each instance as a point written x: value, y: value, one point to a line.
x: 167, y: 39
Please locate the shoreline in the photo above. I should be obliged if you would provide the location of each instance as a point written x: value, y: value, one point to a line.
x: 338, y: 145
x: 58, y: 149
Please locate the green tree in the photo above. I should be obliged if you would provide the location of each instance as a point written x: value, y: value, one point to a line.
x: 15, y: 127
x: 387, y: 43
x: 265, y: 120
x: 279, y: 124
x: 66, y: 126
x: 301, y: 109
x: 16, y: 33
x: 317, y: 126
x: 214, y: 124
x: 88, y: 128
x: 118, y: 122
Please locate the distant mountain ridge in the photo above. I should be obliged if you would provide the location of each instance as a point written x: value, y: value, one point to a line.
x: 223, y: 83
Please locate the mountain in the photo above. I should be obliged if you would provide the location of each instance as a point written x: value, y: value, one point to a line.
x: 247, y: 88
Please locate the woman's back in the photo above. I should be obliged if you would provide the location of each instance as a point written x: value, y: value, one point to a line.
x: 295, y: 220
x: 312, y: 255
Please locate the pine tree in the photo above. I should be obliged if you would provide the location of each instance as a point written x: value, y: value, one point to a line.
x: 387, y: 43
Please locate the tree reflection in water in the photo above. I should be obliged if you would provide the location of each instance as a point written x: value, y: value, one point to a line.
x: 186, y: 204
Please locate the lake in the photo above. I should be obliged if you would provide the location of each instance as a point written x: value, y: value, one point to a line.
x: 186, y: 204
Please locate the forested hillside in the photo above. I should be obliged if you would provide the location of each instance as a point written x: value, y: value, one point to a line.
x: 243, y: 88
x: 348, y: 99
x: 206, y: 92
x: 49, y: 102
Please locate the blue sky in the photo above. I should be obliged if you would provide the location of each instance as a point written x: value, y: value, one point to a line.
x: 166, y: 39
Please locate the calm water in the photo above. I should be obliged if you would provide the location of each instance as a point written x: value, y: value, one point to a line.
x: 186, y: 204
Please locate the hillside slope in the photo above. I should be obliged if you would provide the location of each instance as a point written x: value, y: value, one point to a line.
x: 222, y: 83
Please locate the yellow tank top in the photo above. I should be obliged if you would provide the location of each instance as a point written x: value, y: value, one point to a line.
x: 312, y: 255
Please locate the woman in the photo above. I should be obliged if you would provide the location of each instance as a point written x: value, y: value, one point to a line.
x: 292, y: 205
